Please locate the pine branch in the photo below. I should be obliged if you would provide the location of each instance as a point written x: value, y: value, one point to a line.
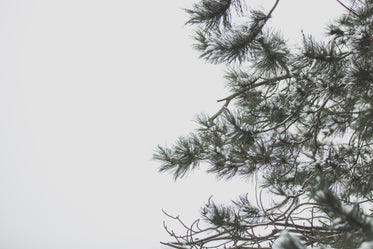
x: 231, y: 97
x: 288, y: 130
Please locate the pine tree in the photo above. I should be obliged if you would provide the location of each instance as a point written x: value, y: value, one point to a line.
x: 298, y: 119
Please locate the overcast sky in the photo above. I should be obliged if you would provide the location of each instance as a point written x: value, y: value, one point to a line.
x: 88, y: 88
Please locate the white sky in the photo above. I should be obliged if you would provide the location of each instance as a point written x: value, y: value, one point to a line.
x: 88, y: 88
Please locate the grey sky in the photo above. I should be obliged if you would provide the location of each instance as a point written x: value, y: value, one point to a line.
x: 87, y: 91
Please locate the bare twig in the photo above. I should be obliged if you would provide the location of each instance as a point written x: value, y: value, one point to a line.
x: 273, y: 8
x: 173, y: 245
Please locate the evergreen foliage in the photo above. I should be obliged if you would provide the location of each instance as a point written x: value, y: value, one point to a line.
x: 302, y: 123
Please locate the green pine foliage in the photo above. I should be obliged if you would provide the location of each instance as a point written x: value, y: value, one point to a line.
x: 299, y: 119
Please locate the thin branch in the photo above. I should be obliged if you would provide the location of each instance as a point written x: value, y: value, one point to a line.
x: 172, y: 245
x: 273, y: 8
x: 349, y: 9
x: 231, y: 97
x: 175, y: 218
